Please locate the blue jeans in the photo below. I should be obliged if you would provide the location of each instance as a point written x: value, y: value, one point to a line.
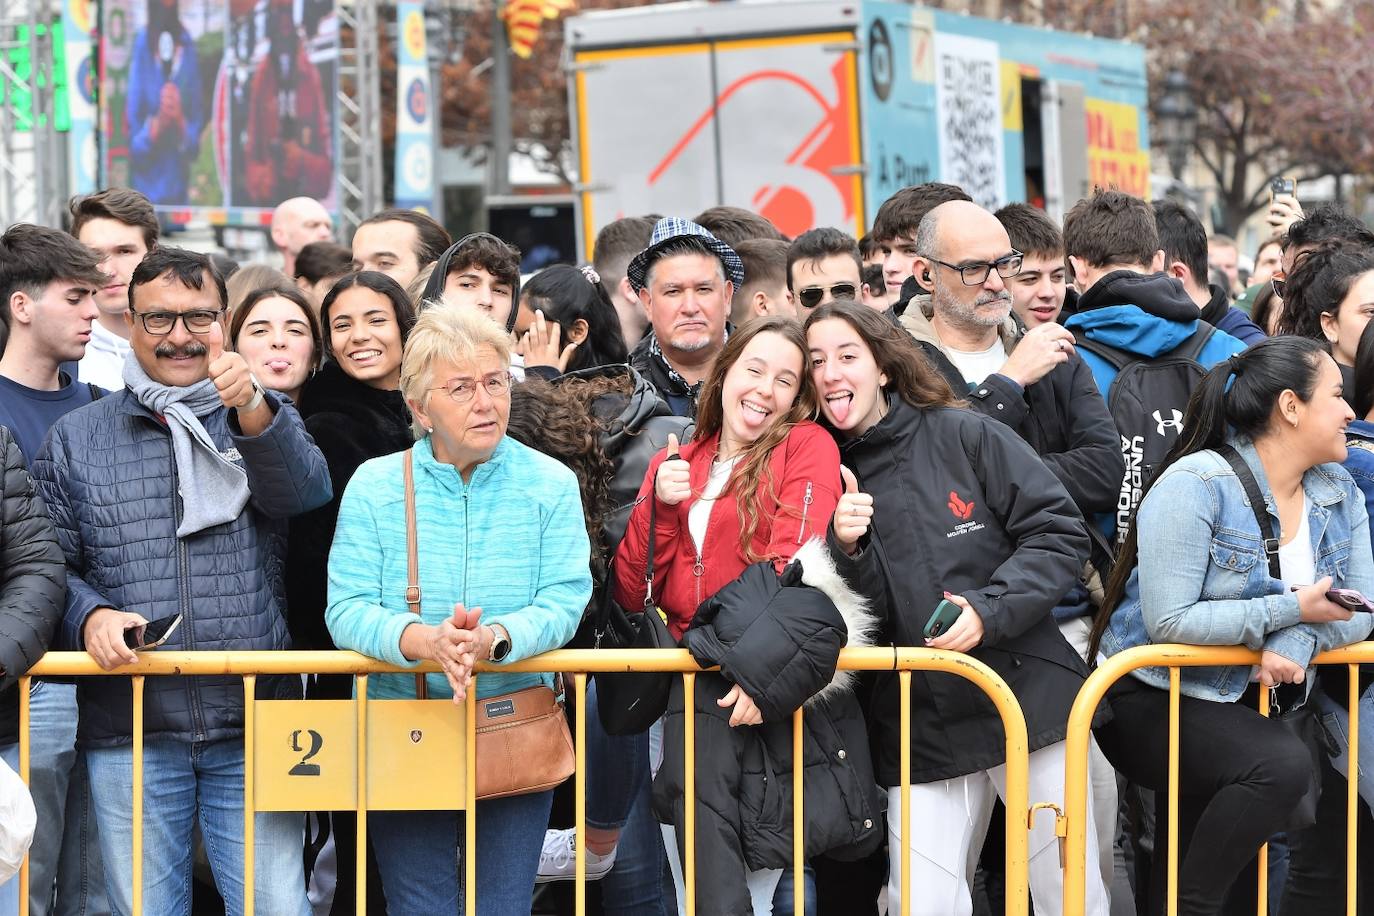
x: 782, y: 896
x: 183, y: 782
x: 617, y: 767
x: 419, y: 854
x: 1337, y: 722
x: 65, y: 847
x: 640, y: 883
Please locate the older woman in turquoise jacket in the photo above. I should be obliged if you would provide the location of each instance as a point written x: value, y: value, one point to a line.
x: 503, y: 568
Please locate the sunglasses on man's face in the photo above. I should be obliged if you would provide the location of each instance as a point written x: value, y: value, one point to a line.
x: 812, y: 296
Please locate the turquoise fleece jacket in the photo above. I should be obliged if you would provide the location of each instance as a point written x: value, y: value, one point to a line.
x: 512, y: 542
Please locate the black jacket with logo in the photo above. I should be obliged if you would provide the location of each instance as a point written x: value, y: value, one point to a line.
x: 1062, y: 417
x: 964, y: 506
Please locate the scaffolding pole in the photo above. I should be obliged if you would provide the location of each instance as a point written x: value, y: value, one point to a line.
x: 360, y: 114
x: 32, y: 154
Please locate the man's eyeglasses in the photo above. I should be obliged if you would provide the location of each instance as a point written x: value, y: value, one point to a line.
x: 1278, y: 281
x: 812, y: 296
x: 463, y: 390
x: 1007, y: 267
x: 160, y: 324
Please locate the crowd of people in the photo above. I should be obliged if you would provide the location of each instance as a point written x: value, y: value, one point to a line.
x: 986, y: 433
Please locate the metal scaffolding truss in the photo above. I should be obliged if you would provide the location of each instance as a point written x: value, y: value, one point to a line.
x: 32, y: 155
x: 360, y: 114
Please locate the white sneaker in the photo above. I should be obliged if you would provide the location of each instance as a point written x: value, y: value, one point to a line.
x: 558, y: 859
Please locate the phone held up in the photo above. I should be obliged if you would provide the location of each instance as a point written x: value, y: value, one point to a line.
x: 945, y: 615
x: 1283, y: 186
x: 152, y: 634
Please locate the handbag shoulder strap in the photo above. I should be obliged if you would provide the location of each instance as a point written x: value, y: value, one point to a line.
x: 413, y: 557
x: 1257, y: 505
x: 649, y: 566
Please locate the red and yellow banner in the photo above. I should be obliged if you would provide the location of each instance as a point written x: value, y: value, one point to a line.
x: 524, y: 18
x: 1115, y: 157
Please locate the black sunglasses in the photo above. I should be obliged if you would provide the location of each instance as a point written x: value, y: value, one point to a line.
x: 812, y: 296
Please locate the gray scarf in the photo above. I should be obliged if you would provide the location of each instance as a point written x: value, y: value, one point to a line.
x: 213, y: 491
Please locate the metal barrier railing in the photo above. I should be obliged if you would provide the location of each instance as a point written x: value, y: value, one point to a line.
x: 1176, y: 657
x: 250, y: 665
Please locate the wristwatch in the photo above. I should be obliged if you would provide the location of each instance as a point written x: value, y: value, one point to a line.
x: 258, y: 395
x: 500, y: 645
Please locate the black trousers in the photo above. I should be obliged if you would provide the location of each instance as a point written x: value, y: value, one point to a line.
x: 1316, y: 864
x: 1240, y: 777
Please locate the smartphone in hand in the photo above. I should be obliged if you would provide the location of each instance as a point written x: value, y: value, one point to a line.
x: 1348, y: 598
x: 945, y: 615
x: 153, y: 634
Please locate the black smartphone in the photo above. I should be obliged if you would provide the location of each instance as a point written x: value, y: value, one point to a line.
x: 1283, y: 185
x: 1350, y: 599
x: 946, y: 613
x: 152, y: 634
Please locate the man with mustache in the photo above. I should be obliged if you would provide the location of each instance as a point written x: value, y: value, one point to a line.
x: 168, y: 497
x: 686, y: 279
x: 1033, y: 381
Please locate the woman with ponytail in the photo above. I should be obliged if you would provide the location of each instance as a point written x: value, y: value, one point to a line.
x: 1195, y: 570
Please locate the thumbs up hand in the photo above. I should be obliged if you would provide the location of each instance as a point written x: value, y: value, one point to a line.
x: 228, y: 370
x: 673, y: 483
x: 853, y: 514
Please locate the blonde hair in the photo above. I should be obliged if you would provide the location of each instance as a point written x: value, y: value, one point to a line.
x: 446, y: 333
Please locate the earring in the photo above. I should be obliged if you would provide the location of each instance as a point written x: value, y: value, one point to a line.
x: 429, y: 429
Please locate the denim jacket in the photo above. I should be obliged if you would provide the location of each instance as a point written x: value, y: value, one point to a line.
x: 1222, y: 594
x: 1359, y: 461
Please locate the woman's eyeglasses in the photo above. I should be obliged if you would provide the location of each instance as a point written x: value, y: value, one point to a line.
x: 463, y: 390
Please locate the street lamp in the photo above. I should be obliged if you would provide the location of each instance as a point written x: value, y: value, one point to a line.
x: 1176, y: 115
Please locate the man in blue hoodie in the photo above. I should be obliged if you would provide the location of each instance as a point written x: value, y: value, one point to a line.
x: 1126, y: 301
x: 1129, y: 305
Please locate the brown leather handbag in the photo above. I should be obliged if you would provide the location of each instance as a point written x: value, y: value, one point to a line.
x: 523, y: 742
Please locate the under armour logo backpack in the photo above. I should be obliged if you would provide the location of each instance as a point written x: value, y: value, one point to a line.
x: 1175, y: 423
x: 1147, y: 400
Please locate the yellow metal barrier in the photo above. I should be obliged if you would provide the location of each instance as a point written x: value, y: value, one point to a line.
x: 1175, y: 658
x: 251, y: 665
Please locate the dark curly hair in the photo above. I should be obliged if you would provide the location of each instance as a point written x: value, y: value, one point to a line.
x: 557, y: 419
x: 1319, y: 282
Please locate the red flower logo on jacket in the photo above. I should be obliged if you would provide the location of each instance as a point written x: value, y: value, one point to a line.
x: 962, y: 510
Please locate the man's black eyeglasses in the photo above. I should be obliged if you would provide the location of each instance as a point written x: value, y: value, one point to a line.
x: 160, y: 324
x: 812, y: 296
x: 1007, y: 267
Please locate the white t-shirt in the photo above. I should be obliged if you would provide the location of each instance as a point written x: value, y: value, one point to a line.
x: 103, y: 364
x: 975, y: 367
x: 1297, y: 562
x: 700, y: 514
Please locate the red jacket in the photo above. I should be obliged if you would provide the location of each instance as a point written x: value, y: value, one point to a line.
x: 805, y: 488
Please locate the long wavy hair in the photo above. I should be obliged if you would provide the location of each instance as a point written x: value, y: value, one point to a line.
x: 910, y: 375
x: 557, y: 419
x: 751, y: 476
x: 1236, y: 397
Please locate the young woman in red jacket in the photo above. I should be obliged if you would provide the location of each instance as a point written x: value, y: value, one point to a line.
x: 758, y: 479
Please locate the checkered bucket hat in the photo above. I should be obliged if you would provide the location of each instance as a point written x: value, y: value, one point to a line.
x: 674, y: 227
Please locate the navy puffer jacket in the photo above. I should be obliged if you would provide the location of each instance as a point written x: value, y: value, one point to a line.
x: 108, y: 477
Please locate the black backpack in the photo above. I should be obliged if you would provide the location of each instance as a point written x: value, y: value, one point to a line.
x: 1147, y: 400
